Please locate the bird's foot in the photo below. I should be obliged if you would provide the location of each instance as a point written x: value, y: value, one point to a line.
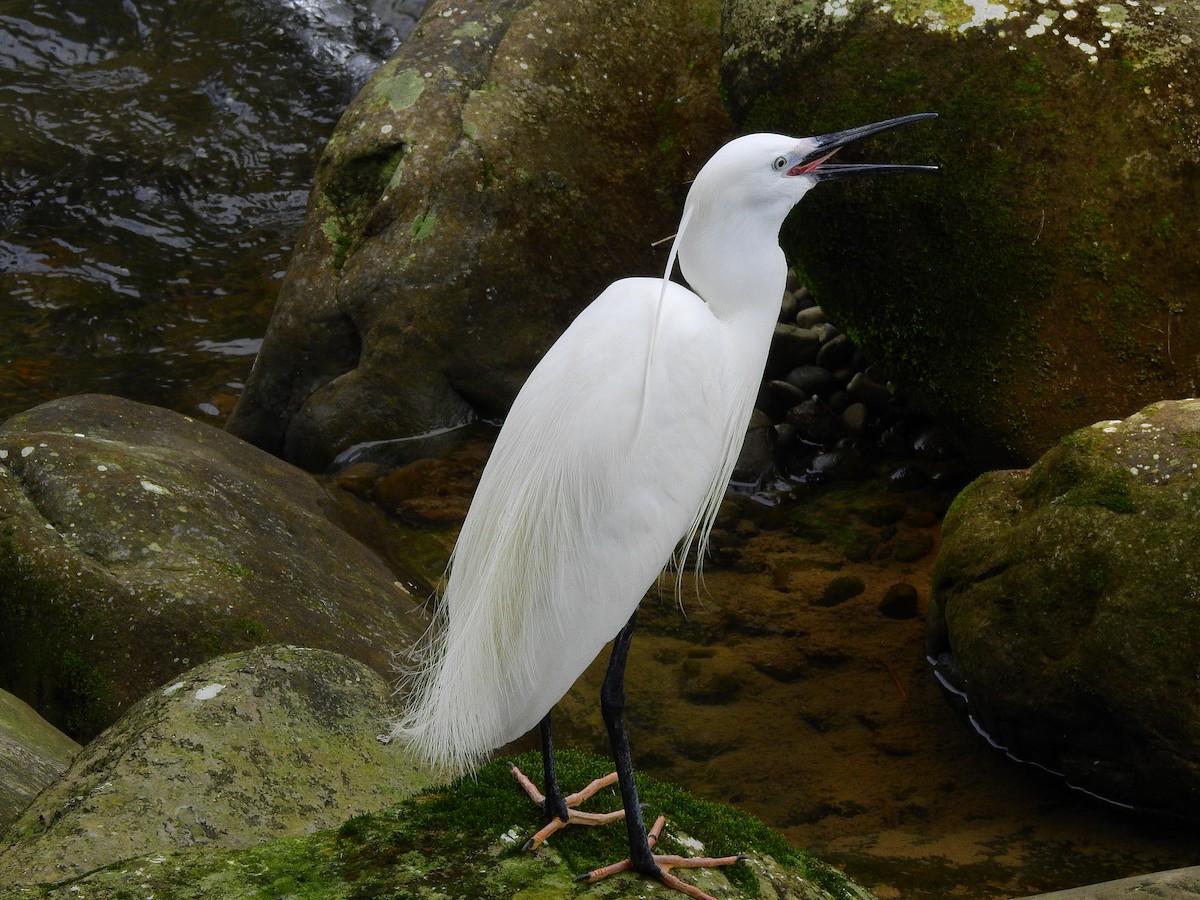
x: 664, y: 864
x: 574, y: 816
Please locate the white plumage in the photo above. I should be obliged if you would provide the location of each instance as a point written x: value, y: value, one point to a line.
x: 617, y: 449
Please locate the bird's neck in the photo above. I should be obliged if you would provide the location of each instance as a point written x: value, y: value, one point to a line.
x: 737, y: 268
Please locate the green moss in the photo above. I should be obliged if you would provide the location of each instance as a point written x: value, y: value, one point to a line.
x: 350, y: 194
x: 449, y: 841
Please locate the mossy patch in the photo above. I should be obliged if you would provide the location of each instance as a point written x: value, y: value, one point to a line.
x: 350, y: 194
x: 451, y: 842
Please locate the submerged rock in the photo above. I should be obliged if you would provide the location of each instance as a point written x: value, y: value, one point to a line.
x: 136, y: 543
x: 33, y: 753
x: 464, y: 841
x: 1067, y: 599
x: 274, y: 741
x: 1044, y: 277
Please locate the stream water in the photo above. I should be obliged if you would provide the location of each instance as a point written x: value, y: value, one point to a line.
x: 155, y: 159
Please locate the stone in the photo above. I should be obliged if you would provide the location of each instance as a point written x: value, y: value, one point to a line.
x: 461, y: 841
x: 811, y: 380
x: 1055, y: 231
x: 810, y: 317
x: 841, y: 589
x: 836, y: 352
x: 255, y: 745
x: 1065, y: 595
x: 791, y: 346
x: 899, y: 601
x: 33, y: 754
x: 814, y: 422
x: 874, y: 395
x: 757, y: 456
x: 505, y: 165
x: 854, y: 419
x: 136, y: 542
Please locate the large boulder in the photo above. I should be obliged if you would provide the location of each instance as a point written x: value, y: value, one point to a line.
x: 251, y: 746
x: 33, y: 754
x: 1047, y: 276
x: 136, y: 543
x: 1066, y: 607
x: 463, y: 842
x: 507, y: 163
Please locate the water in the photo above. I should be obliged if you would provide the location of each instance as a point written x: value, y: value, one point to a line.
x: 155, y: 161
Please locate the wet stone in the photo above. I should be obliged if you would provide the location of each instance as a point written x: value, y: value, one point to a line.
x: 814, y: 422
x: 811, y: 380
x: 841, y: 589
x: 807, y: 318
x: 873, y: 394
x: 792, y: 346
x: 854, y: 419
x: 900, y: 601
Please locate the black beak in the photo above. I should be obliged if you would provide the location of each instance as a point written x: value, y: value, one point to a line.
x: 828, y: 144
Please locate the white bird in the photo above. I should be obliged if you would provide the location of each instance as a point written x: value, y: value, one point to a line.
x: 615, y: 456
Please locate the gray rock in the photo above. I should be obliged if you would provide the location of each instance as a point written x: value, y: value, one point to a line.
x: 1066, y: 596
x: 811, y: 380
x: 271, y: 742
x: 758, y: 453
x: 33, y: 753
x: 810, y: 317
x: 136, y: 543
x: 791, y: 346
x: 836, y: 352
x: 815, y: 422
x: 1085, y: 262
x: 1178, y: 884
x: 854, y: 419
x: 874, y: 395
x: 511, y: 160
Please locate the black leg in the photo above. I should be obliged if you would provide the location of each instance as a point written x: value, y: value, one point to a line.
x: 554, y: 805
x: 612, y: 708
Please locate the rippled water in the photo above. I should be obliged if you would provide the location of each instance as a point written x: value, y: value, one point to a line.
x: 155, y: 160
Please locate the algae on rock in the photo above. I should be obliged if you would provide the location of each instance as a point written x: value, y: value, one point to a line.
x: 464, y: 841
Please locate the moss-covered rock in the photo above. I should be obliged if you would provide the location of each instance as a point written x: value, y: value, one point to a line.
x: 33, y: 753
x: 464, y: 841
x: 255, y: 745
x: 136, y: 543
x: 506, y: 164
x: 1066, y: 606
x: 1046, y: 278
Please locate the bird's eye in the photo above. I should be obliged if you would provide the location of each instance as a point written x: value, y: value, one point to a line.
x: 779, y: 164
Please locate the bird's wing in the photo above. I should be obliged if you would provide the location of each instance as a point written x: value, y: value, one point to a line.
x: 587, y: 492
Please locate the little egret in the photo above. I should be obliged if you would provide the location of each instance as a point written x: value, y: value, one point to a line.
x: 615, y: 455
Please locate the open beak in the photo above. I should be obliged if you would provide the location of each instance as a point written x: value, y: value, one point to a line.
x: 816, y: 163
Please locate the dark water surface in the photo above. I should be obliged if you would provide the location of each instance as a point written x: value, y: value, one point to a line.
x: 155, y: 160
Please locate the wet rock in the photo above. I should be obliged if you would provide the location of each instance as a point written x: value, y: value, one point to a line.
x: 836, y: 352
x: 907, y: 477
x: 504, y: 166
x: 255, y: 745
x: 758, y: 453
x: 791, y: 346
x: 1067, y: 596
x: 934, y: 444
x: 33, y: 754
x: 854, y: 418
x: 958, y: 281
x: 900, y: 601
x: 811, y: 380
x: 810, y: 317
x: 136, y: 543
x: 873, y: 394
x: 841, y: 589
x: 815, y: 423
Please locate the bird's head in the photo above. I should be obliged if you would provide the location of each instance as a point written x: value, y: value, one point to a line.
x: 774, y: 170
